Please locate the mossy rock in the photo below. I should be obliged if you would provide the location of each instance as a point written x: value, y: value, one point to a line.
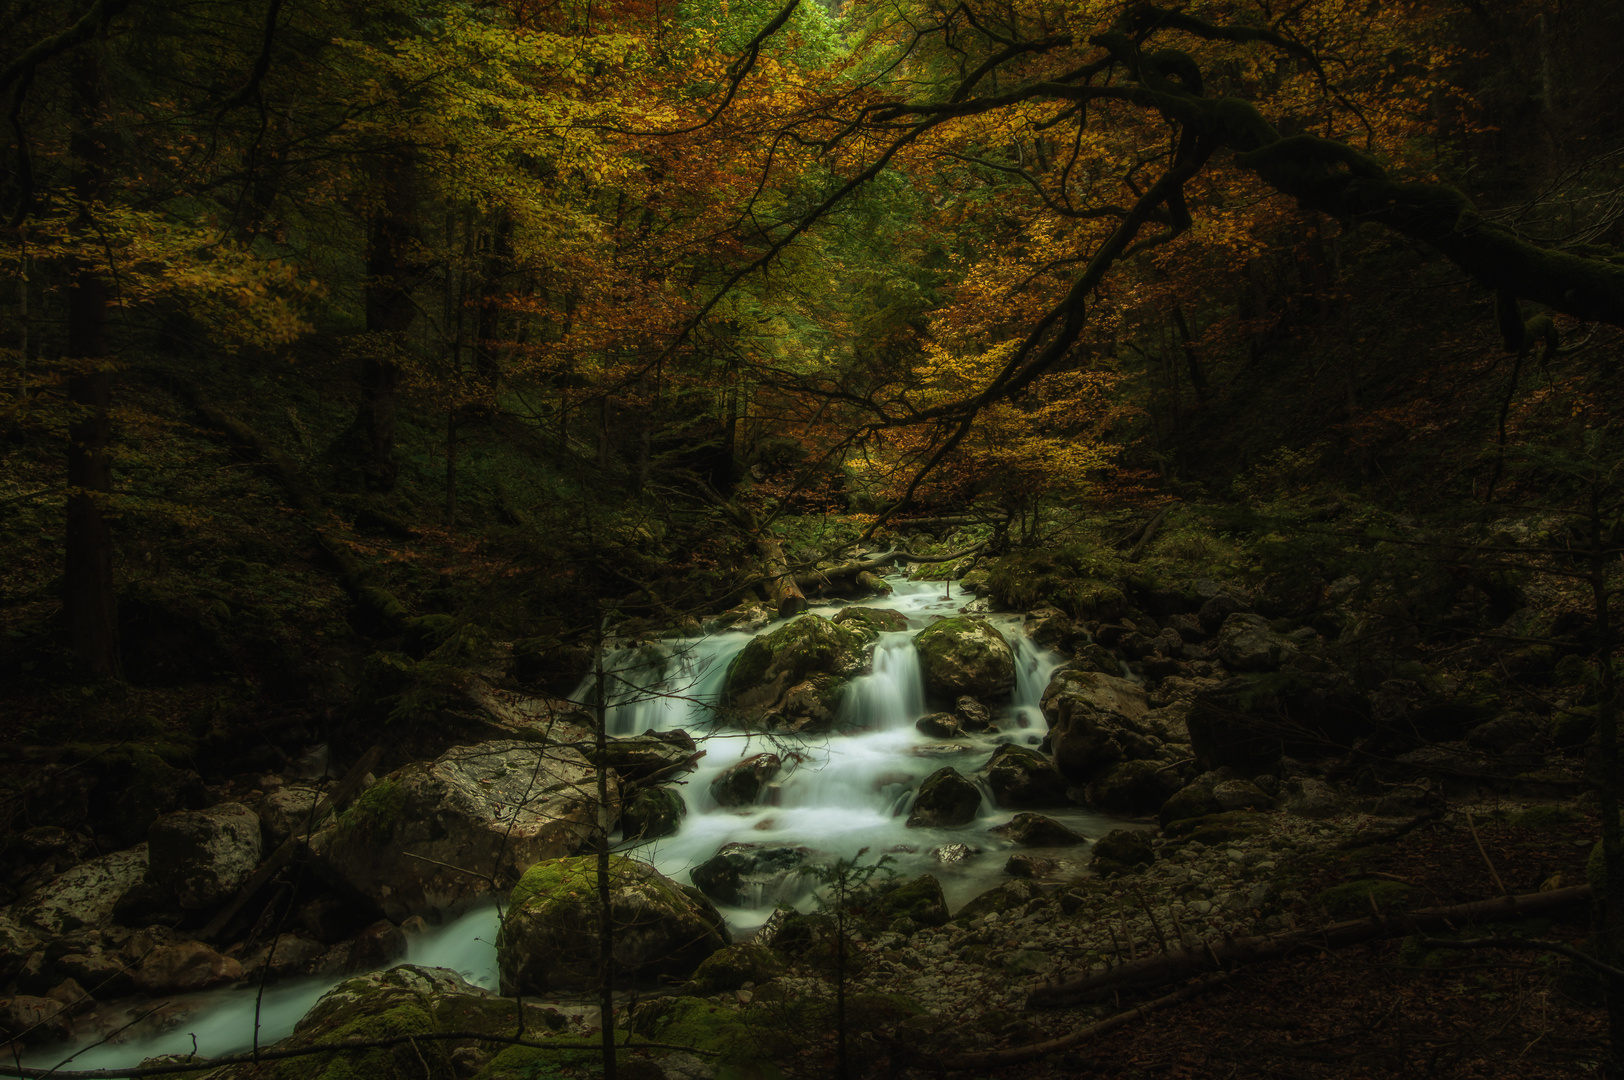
x: 805, y: 646
x: 374, y: 811
x: 920, y: 899
x: 871, y: 622
x: 1352, y: 899
x: 732, y: 967
x: 965, y: 655
x: 733, y: 1040
x: 652, y: 813
x: 998, y: 899
x: 1123, y: 851
x: 945, y: 799
x: 549, y: 937
x: 1021, y: 778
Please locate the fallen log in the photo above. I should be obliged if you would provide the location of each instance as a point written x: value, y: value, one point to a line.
x: 1014, y: 1055
x: 1156, y: 971
x: 782, y: 586
x: 818, y: 578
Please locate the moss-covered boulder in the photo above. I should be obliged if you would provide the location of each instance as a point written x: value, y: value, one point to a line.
x: 408, y: 843
x: 84, y: 897
x: 791, y: 679
x: 1035, y: 830
x: 1024, y: 779
x: 730, y: 968
x: 402, y: 1001
x: 919, y: 899
x: 945, y: 799
x: 1096, y: 721
x: 965, y: 655
x: 999, y: 899
x: 871, y: 622
x: 1122, y: 851
x: 741, y: 784
x: 1134, y: 787
x: 201, y: 857
x: 549, y: 938
x: 652, y: 812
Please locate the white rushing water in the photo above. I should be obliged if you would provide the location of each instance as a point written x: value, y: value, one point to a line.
x: 836, y: 796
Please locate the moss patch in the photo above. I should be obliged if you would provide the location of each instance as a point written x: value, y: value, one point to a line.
x: 377, y: 808
x: 1353, y: 898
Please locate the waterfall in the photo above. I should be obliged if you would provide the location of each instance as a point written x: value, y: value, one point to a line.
x: 893, y: 695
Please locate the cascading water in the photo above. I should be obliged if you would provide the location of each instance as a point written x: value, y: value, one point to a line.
x: 837, y: 795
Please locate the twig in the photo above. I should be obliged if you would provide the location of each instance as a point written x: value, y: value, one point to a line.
x: 1470, y: 824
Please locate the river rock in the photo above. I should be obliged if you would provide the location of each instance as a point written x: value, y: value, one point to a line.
x: 1035, y: 830
x: 83, y: 897
x: 1191, y: 801
x: 730, y: 968
x: 549, y: 936
x: 741, y: 784
x: 287, y: 811
x: 16, y: 943
x: 202, y: 857
x: 871, y: 622
x: 1021, y: 778
x: 1310, y: 798
x: 972, y: 715
x: 965, y: 655
x: 494, y: 807
x: 654, y: 754
x: 378, y: 946
x: 1123, y: 851
x: 939, y: 725
x: 1217, y: 609
x: 183, y: 967
x: 291, y: 954
x: 1096, y: 721
x: 945, y: 799
x: 998, y: 899
x: 1240, y: 795
x: 39, y: 1020
x: 745, y: 875
x: 920, y: 900
x: 652, y: 812
x: 1029, y: 866
x: 1133, y: 787
x: 791, y: 679
x: 1245, y: 643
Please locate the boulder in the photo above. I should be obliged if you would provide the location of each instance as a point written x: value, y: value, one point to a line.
x: 939, y: 725
x: 1035, y: 830
x: 653, y: 755
x: 1191, y: 801
x: 291, y: 954
x: 920, y: 900
x: 1029, y: 866
x: 1250, y: 721
x: 1246, y: 643
x: 1133, y: 787
x: 489, y: 809
x: 945, y: 799
x: 1217, y: 609
x: 741, y: 784
x: 973, y: 715
x: 376, y: 947
x: 36, y: 1020
x: 731, y: 967
x: 84, y: 897
x: 1240, y: 795
x: 871, y: 622
x: 964, y: 655
x: 1310, y: 798
x: 791, y: 679
x: 287, y: 811
x: 16, y: 944
x: 652, y: 812
x: 549, y: 938
x: 998, y: 899
x: 1022, y: 778
x: 185, y: 966
x: 202, y: 857
x: 748, y: 875
x: 1122, y: 851
x: 1096, y: 721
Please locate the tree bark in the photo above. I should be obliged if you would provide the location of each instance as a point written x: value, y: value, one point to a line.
x: 782, y: 586
x: 89, y: 599
x: 391, y: 238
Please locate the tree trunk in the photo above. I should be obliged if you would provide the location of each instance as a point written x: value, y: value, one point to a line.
x: 782, y: 585
x: 89, y: 600
x: 391, y: 236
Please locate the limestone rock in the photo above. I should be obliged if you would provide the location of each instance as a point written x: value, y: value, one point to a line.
x: 183, y: 967
x: 741, y: 784
x: 1035, y: 830
x: 378, y: 946
x: 202, y: 857
x: 920, y: 900
x: 973, y: 715
x: 1217, y: 609
x: 1310, y: 798
x: 746, y: 875
x: 1245, y: 643
x: 1029, y: 866
x: 939, y: 725
x: 490, y: 808
x: 964, y: 655
x: 1122, y: 851
x: 871, y: 622
x: 639, y: 758
x: 1133, y: 787
x: 1021, y: 778
x: 549, y: 936
x: 652, y: 812
x: 792, y: 678
x: 287, y: 810
x: 83, y: 897
x: 945, y: 799
x: 1096, y: 721
x: 1191, y: 801
x: 1240, y: 795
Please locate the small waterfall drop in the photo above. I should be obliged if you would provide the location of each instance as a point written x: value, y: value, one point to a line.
x: 893, y: 694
